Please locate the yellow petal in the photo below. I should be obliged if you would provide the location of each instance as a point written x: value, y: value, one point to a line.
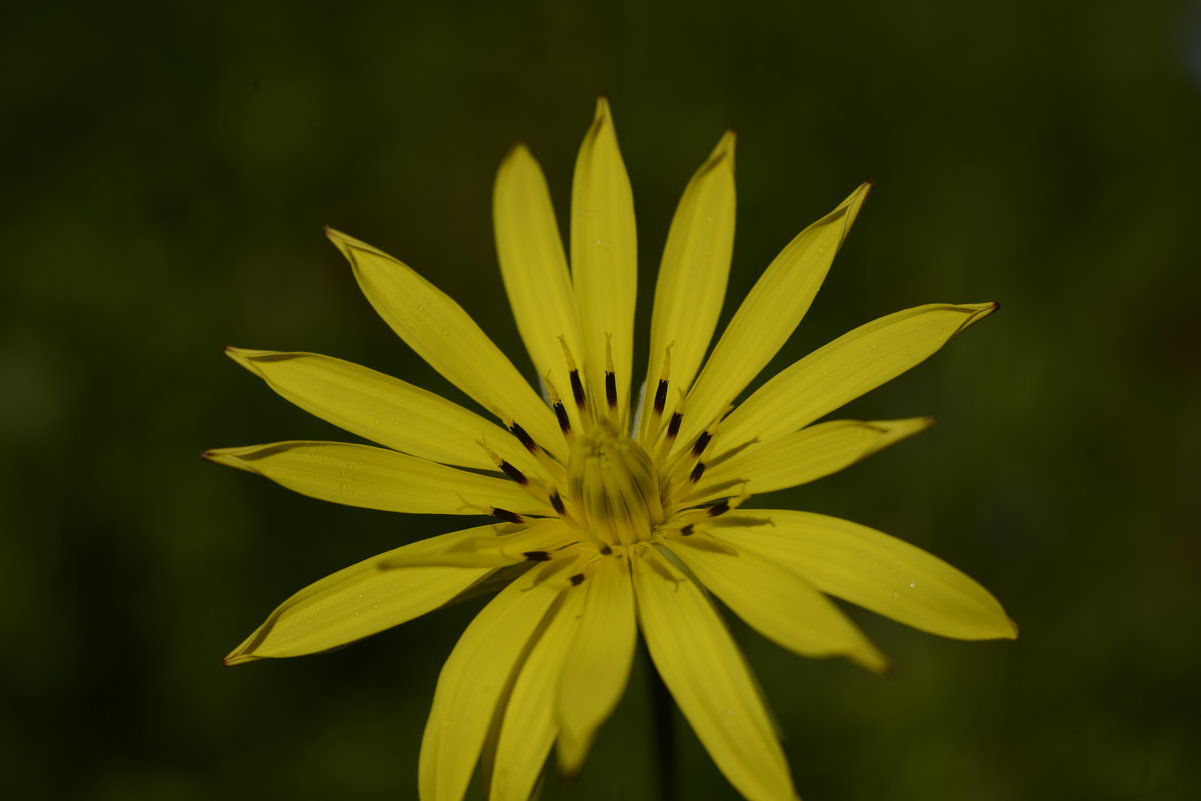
x: 875, y: 571
x: 359, y: 601
x: 534, y: 267
x: 768, y: 316
x: 529, y: 724
x: 448, y: 339
x: 496, y: 546
x: 801, y: 457
x: 598, y: 663
x: 709, y: 679
x: 384, y: 409
x: 777, y: 602
x: 374, y: 478
x: 472, y: 683
x: 692, y: 276
x: 846, y: 368
x: 604, y: 257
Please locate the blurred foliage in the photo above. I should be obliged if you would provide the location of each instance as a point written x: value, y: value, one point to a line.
x: 168, y: 168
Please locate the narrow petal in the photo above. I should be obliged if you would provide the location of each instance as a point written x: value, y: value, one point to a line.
x: 496, y: 546
x: 534, y: 267
x: 604, y: 256
x: 473, y: 681
x: 777, y: 602
x: 846, y: 368
x: 448, y: 339
x: 875, y: 571
x: 801, y: 457
x: 359, y: 601
x: 598, y: 663
x: 384, y: 409
x: 375, y: 478
x: 709, y: 679
x: 769, y: 315
x: 530, y: 723
x: 692, y: 276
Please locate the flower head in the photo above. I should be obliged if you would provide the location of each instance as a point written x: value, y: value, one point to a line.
x: 612, y: 513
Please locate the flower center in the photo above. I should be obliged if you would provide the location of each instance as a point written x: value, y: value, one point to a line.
x: 615, y: 485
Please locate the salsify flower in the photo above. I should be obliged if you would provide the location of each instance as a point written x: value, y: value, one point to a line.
x: 612, y: 515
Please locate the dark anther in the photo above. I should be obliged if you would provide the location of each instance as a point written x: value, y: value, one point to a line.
x: 719, y: 509
x: 577, y: 579
x: 673, y: 425
x: 701, y: 443
x: 561, y: 414
x: 557, y: 503
x: 506, y: 515
x: 697, y: 472
x: 611, y: 389
x: 577, y: 389
x: 513, y: 473
x: 606, y: 550
x: 661, y: 396
x: 537, y: 556
x: 523, y: 437
x: 686, y: 531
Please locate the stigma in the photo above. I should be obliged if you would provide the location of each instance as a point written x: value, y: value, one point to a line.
x: 614, y: 485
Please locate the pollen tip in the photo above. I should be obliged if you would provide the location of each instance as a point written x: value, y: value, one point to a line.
x: 537, y: 556
x: 577, y: 579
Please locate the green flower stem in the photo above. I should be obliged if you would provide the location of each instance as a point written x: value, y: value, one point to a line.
x: 662, y: 713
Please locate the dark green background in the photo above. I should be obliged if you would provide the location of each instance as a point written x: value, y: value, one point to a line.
x: 168, y: 168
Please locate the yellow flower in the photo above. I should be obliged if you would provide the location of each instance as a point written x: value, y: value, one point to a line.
x: 615, y: 514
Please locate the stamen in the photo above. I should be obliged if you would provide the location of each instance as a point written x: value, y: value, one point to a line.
x: 701, y: 443
x: 606, y: 550
x: 661, y: 396
x: 577, y: 390
x: 673, y: 425
x: 610, y: 375
x: 513, y: 473
x: 577, y: 579
x: 719, y: 508
x: 686, y: 531
x: 561, y: 415
x: 506, y: 515
x: 537, y: 556
x: 523, y: 437
x: 556, y: 502
x: 697, y: 472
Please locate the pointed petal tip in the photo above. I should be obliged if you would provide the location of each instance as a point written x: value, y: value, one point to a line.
x: 235, y: 658
x: 978, y: 312
x: 604, y: 112
x: 1014, y: 631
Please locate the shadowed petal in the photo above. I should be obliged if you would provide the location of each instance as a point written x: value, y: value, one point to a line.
x: 375, y: 478
x: 777, y: 602
x: 604, y: 256
x: 598, y: 663
x: 875, y: 571
x: 709, y: 679
x: 530, y: 723
x: 359, y: 601
x: 534, y: 268
x: 692, y: 276
x: 384, y: 409
x: 472, y: 683
x: 801, y: 457
x: 769, y: 315
x: 448, y: 339
x: 846, y: 368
